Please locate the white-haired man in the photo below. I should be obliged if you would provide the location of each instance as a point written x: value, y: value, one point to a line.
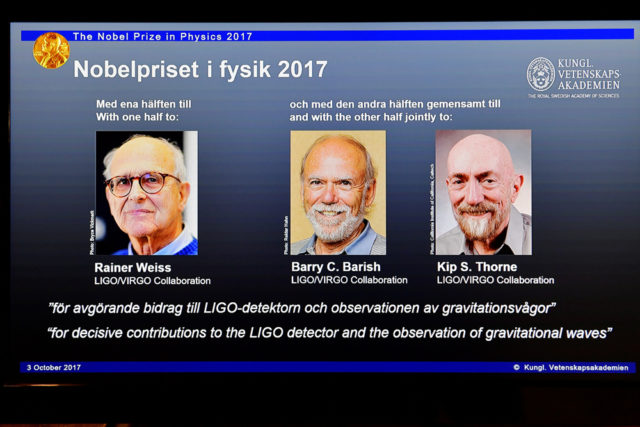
x: 147, y: 192
x: 338, y: 185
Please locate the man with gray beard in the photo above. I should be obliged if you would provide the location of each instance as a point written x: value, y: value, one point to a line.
x: 482, y: 187
x: 338, y: 185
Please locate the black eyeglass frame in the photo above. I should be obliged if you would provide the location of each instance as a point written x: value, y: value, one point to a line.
x: 132, y: 178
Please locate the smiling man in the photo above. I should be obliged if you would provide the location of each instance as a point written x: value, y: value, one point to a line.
x: 338, y: 185
x: 483, y: 186
x: 147, y: 192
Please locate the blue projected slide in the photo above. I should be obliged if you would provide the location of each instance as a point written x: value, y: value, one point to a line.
x: 476, y: 184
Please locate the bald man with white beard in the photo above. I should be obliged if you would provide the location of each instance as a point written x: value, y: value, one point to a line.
x: 483, y: 186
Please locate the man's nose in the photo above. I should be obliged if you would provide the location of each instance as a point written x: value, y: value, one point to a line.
x: 329, y: 194
x: 137, y: 193
x: 474, y: 194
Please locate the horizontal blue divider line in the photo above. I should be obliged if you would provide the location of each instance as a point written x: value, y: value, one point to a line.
x: 321, y: 366
x: 356, y: 35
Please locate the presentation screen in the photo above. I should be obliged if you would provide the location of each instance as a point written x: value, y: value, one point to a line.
x: 374, y: 203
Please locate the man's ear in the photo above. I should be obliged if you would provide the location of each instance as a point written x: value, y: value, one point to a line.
x: 185, y: 190
x: 518, y: 180
x: 371, y: 194
x: 107, y: 194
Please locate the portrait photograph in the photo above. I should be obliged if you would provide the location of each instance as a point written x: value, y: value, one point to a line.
x: 483, y: 192
x: 338, y: 192
x: 146, y: 193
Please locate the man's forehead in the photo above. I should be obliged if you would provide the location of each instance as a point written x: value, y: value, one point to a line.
x: 474, y: 165
x: 479, y: 154
x: 335, y: 156
x: 142, y: 154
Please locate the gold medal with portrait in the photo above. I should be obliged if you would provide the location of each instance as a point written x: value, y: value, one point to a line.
x: 51, y: 50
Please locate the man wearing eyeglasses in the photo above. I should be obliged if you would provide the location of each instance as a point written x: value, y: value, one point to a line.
x: 147, y: 191
x: 338, y: 184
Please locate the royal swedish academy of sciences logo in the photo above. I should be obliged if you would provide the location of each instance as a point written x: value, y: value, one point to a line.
x: 541, y: 74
